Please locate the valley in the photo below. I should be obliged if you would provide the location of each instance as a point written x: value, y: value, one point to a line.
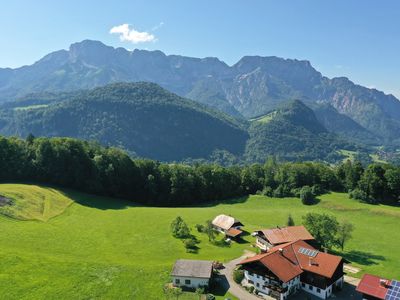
x: 110, y: 248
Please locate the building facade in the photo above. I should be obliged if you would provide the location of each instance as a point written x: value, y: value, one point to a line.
x: 192, y: 274
x: 290, y: 267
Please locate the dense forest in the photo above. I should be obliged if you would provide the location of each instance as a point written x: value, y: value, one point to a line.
x: 91, y: 168
x: 142, y: 118
x: 148, y: 121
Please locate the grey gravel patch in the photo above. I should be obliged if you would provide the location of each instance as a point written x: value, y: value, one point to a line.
x: 5, y: 201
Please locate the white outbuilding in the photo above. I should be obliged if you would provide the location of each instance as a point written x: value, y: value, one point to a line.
x: 192, y: 273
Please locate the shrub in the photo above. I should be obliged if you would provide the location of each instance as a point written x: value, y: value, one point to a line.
x: 200, y: 228
x: 238, y: 275
x: 306, y: 195
x: 359, y: 195
x: 179, y: 228
x: 290, y: 221
x: 317, y: 189
x: 190, y: 243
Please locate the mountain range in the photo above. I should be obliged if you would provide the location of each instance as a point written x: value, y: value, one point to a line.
x: 57, y: 88
x: 251, y: 87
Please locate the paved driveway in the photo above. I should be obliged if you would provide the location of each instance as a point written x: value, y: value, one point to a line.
x: 234, y: 288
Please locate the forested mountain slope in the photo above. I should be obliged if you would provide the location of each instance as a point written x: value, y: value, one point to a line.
x: 142, y: 118
x: 251, y: 87
x: 292, y: 132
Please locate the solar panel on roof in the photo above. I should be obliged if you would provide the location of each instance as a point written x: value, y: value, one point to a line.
x: 393, y: 292
x: 308, y: 252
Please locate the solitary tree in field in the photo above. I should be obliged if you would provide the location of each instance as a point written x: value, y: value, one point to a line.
x: 209, y: 229
x: 322, y: 227
x: 290, y: 221
x: 179, y: 228
x: 344, y: 233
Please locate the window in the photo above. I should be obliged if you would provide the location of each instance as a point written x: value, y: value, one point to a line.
x: 257, y: 284
x: 251, y: 281
x: 310, y: 287
x: 250, y: 274
x: 187, y: 281
x: 318, y: 290
x: 177, y: 281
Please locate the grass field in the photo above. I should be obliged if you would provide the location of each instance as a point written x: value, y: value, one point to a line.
x: 265, y: 118
x: 101, y: 248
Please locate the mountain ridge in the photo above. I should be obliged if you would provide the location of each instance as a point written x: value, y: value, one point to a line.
x: 252, y: 86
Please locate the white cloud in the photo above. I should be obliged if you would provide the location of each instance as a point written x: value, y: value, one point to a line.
x: 129, y: 34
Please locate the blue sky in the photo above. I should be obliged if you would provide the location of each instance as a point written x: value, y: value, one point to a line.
x: 358, y: 39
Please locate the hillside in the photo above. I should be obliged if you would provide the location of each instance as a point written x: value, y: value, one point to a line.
x: 107, y: 248
x: 30, y: 202
x: 150, y: 122
x: 291, y: 132
x: 251, y: 87
x: 343, y: 125
x: 142, y: 118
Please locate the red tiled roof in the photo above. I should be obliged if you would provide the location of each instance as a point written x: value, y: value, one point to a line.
x: 277, y: 264
x: 233, y: 232
x: 324, y: 264
x: 286, y: 262
x: 370, y: 285
x: 287, y: 234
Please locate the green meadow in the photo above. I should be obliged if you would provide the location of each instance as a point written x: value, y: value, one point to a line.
x: 60, y: 244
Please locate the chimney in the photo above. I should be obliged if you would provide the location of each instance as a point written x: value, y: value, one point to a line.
x: 311, y: 262
x: 383, y: 282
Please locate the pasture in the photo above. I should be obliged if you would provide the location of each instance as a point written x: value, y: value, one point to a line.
x: 69, y: 245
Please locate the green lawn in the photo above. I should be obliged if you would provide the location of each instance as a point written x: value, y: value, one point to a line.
x: 265, y: 118
x: 102, y: 248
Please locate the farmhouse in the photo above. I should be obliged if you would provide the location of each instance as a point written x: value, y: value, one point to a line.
x: 373, y: 287
x: 268, y: 238
x: 292, y: 266
x: 192, y: 274
x: 228, y: 225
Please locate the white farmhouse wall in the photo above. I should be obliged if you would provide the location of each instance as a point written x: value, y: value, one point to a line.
x: 259, y: 282
x: 322, y: 293
x: 194, y: 282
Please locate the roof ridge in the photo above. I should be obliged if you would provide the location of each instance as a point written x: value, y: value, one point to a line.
x: 298, y: 261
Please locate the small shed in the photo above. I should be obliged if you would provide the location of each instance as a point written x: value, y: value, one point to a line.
x: 228, y: 225
x: 192, y: 273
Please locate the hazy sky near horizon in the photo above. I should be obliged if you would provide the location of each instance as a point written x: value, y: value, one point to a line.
x: 359, y: 39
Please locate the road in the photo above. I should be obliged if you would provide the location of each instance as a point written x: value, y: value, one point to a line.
x: 234, y: 288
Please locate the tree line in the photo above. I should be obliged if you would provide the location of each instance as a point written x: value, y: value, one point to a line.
x: 88, y: 167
